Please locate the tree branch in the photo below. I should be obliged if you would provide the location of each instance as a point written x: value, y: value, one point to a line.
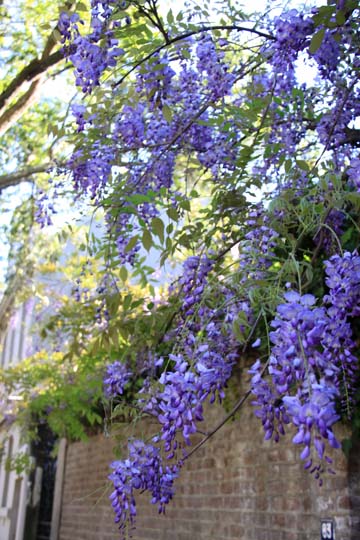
x: 24, y: 175
x: 33, y: 73
x: 15, y: 112
x: 352, y: 137
x: 185, y: 35
x: 30, y: 73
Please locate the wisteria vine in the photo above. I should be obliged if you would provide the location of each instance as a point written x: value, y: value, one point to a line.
x: 291, y: 287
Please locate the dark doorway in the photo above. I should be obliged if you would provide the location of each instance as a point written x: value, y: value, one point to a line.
x: 39, y: 509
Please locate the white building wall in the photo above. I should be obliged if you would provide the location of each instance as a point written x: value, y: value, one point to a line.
x: 14, y: 488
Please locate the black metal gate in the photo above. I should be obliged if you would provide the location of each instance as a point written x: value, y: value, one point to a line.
x: 42, y: 478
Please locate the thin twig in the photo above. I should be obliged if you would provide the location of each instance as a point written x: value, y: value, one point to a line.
x: 233, y: 411
x: 181, y: 37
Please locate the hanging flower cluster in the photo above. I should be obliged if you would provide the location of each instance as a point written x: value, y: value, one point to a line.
x: 190, y: 104
x: 311, y: 364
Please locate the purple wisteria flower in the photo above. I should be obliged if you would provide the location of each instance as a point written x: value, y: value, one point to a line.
x: 292, y: 32
x: 172, y: 115
x: 269, y: 405
x: 354, y: 173
x: 314, y: 418
x: 257, y: 249
x: 210, y: 61
x: 327, y: 55
x: 193, y: 281
x: 343, y: 281
x: 143, y: 470
x: 116, y: 378
x: 89, y: 58
x: 311, y: 365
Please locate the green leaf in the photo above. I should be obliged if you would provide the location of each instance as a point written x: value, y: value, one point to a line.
x: 57, y: 35
x: 157, y: 226
x: 167, y: 113
x: 238, y: 332
x: 123, y: 273
x: 185, y: 240
x: 170, y: 17
x: 303, y: 165
x: 340, y: 17
x: 354, y: 198
x: 138, y: 199
x: 288, y: 165
x: 147, y: 240
x: 172, y: 213
x: 323, y: 15
x: 316, y: 41
x: 185, y: 204
x: 132, y: 243
x: 168, y: 244
x: 114, y: 336
x: 80, y: 6
x: 113, y: 304
x: 127, y: 302
x: 347, y: 235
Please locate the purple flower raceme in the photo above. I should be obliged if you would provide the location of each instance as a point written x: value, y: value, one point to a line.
x: 314, y: 417
x: 179, y: 405
x: 210, y: 61
x: 331, y: 127
x: 91, y: 173
x: 143, y: 470
x: 104, y: 8
x: 354, y: 173
x: 201, y: 371
x: 342, y: 109
x: 343, y: 303
x: 327, y: 55
x: 155, y: 83
x: 88, y: 57
x: 116, y: 378
x: 270, y: 407
x: 68, y: 26
x: 44, y: 209
x: 130, y: 126
x: 343, y: 281
x: 193, y: 281
x: 81, y: 117
x: 257, y: 250
x: 292, y: 31
x: 311, y: 365
x: 91, y: 60
x: 299, y: 326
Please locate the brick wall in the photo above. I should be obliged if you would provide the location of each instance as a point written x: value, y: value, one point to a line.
x: 354, y: 492
x: 237, y: 487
